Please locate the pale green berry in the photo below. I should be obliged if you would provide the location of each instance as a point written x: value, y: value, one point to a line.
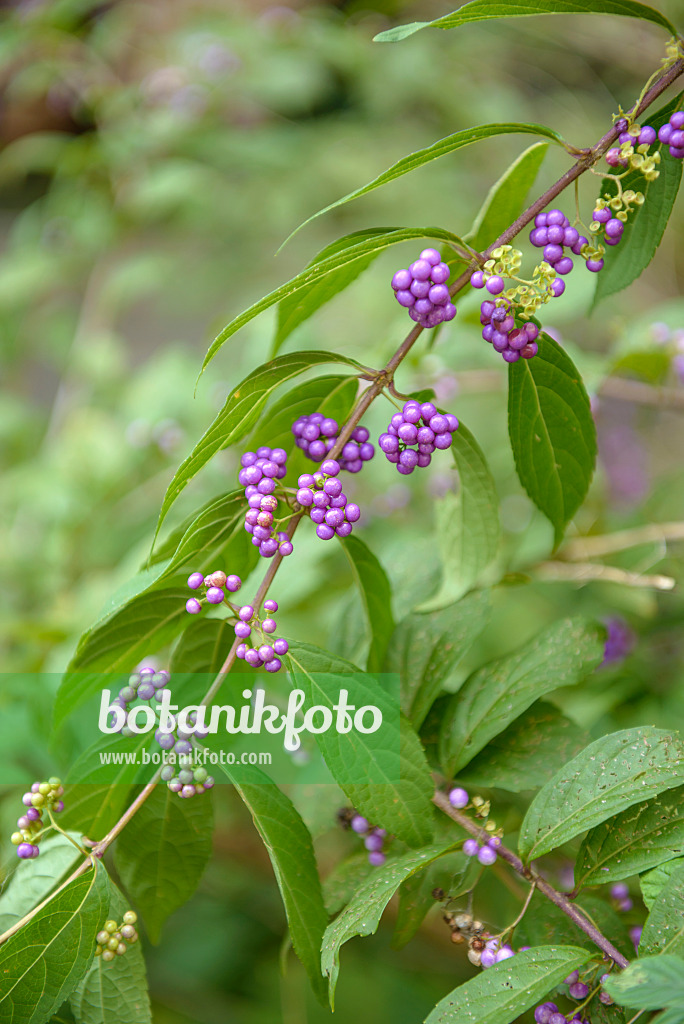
x: 111, y: 927
x: 108, y: 955
x: 130, y: 917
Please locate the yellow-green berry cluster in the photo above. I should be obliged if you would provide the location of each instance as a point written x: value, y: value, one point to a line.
x: 114, y: 939
x: 42, y: 796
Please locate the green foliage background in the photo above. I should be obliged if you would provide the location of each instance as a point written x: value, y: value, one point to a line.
x: 154, y: 157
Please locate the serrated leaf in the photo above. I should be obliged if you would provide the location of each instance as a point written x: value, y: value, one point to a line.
x: 43, y: 962
x: 114, y: 992
x: 399, y: 793
x: 634, y: 841
x: 317, y: 272
x: 487, y: 10
x: 552, y: 432
x: 376, y: 598
x: 438, y: 149
x: 162, y: 853
x: 415, y: 893
x: 290, y: 848
x: 33, y: 880
x: 503, y: 992
x: 664, y: 928
x: 650, y: 983
x: 467, y: 523
x: 505, y: 200
x: 296, y: 309
x: 609, y: 775
x: 240, y: 412
x: 545, y: 923
x: 203, y: 647
x: 362, y: 915
x: 333, y: 396
x: 425, y: 647
x: 527, y: 753
x: 645, y: 227
x: 498, y: 693
x: 653, y: 882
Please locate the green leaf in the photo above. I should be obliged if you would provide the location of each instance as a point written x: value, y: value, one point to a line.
x: 415, y: 893
x: 487, y: 10
x: 289, y: 845
x: 297, y: 308
x: 664, y: 928
x: 376, y: 597
x: 403, y: 802
x: 499, y: 692
x: 545, y: 923
x: 362, y: 915
x: 114, y: 992
x: 424, y: 156
x: 527, y: 753
x: 503, y: 992
x: 645, y: 227
x: 215, y: 532
x: 241, y: 411
x: 425, y: 647
x: 343, y: 881
x: 317, y: 272
x: 203, y: 647
x: 609, y: 775
x: 653, y: 882
x: 334, y: 396
x: 650, y: 983
x: 637, y: 839
x: 41, y: 965
x: 506, y: 198
x: 33, y: 880
x: 467, y: 524
x: 162, y: 853
x: 552, y: 432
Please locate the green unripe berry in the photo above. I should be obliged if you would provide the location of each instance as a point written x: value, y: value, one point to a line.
x: 121, y: 949
x: 102, y: 937
x: 130, y: 917
x: 113, y: 944
x: 16, y: 838
x: 129, y: 933
x: 117, y: 936
x: 44, y: 788
x: 108, y: 955
x: 98, y: 951
x: 111, y: 927
x: 201, y: 774
x: 54, y: 781
x: 37, y: 799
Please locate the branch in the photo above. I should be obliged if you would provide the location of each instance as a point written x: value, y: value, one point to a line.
x: 626, y: 390
x: 586, y: 572
x: 528, y: 873
x: 622, y: 540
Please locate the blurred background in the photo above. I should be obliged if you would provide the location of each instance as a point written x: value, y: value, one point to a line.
x: 154, y: 156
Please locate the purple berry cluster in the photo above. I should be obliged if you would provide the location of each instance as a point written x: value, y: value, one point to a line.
x: 42, y: 796
x: 415, y: 433
x: 322, y: 496
x: 552, y: 232
x: 576, y: 988
x: 374, y: 839
x: 620, y: 893
x: 548, y: 1013
x: 646, y: 136
x: 672, y: 134
x: 260, y: 470
x: 213, y: 586
x: 620, y: 641
x: 611, y: 229
x: 317, y: 434
x: 184, y: 777
x: 485, y: 852
x: 494, y: 953
x: 146, y: 684
x: 423, y: 291
x: 266, y: 652
x: 114, y: 939
x: 499, y: 328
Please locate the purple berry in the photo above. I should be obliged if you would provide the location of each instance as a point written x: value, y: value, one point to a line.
x: 564, y: 265
x: 487, y: 958
x: 579, y: 990
x: 193, y: 606
x: 486, y: 855
x: 557, y: 287
x: 401, y: 280
x: 195, y: 580
x: 458, y: 797
x: 440, y: 273
x: 665, y: 132
x: 242, y: 630
x: 373, y: 842
x: 421, y: 270
x: 359, y: 824
x: 505, y: 953
x: 594, y: 265
x: 431, y: 255
x: 477, y: 279
x: 215, y: 595
x: 471, y: 847
x: 495, y: 285
x: 552, y: 253
x: 376, y: 859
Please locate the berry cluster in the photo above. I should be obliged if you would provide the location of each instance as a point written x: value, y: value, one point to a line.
x: 500, y: 330
x: 267, y: 653
x: 214, y: 588
x: 317, y: 434
x: 548, y: 1013
x: 374, y: 838
x: 552, y: 231
x: 328, y: 506
x: 260, y: 470
x: 485, y: 852
x: 672, y: 134
x: 494, y: 953
x: 183, y: 777
x: 42, y: 796
x: 620, y: 641
x: 421, y: 426
x: 110, y: 941
x: 423, y: 291
x: 630, y: 139
x: 145, y: 685
x: 620, y: 893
